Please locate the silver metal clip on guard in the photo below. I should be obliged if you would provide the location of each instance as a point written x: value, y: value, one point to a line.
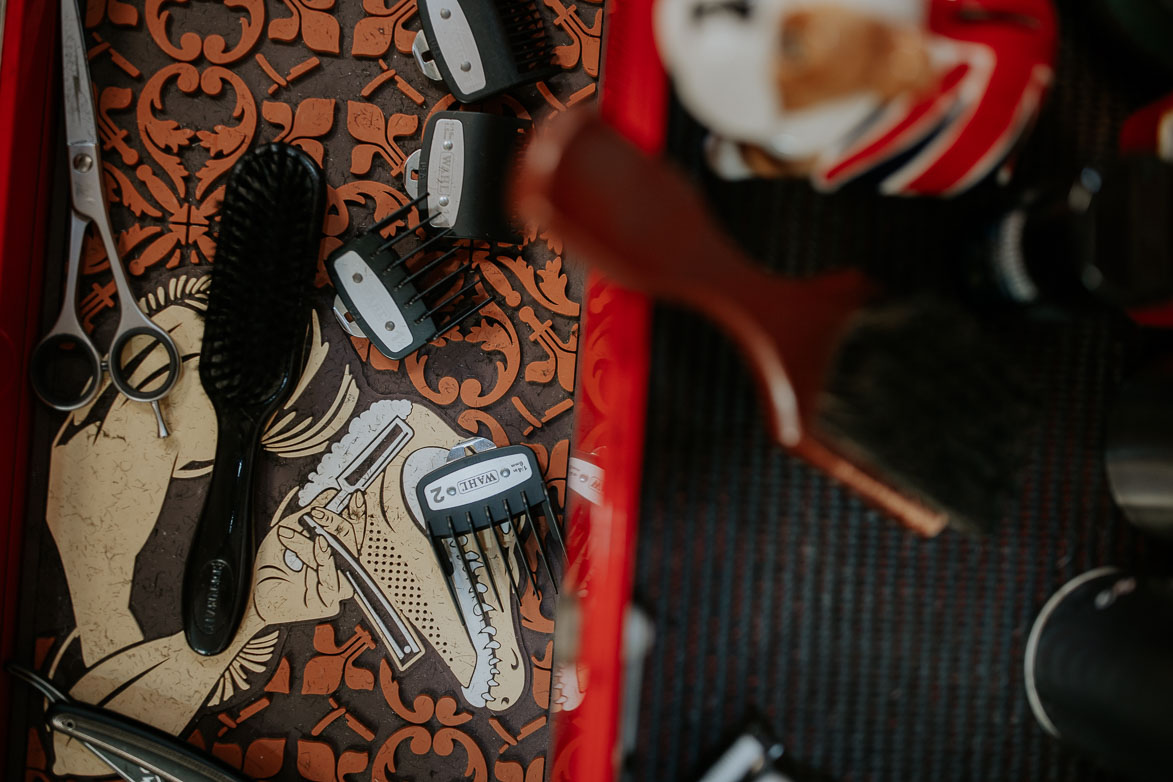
x: 67, y: 349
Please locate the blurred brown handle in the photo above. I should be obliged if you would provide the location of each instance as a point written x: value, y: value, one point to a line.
x: 645, y: 226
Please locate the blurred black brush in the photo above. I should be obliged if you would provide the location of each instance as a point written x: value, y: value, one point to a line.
x: 480, y: 48
x: 475, y: 503
x: 906, y: 402
x: 252, y: 356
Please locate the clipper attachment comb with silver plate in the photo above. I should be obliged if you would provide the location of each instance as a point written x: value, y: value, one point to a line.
x: 480, y: 48
x: 459, y: 171
x: 402, y: 302
x: 491, y: 494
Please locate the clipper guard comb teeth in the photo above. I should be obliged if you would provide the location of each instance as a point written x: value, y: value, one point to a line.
x: 477, y: 502
x: 401, y: 302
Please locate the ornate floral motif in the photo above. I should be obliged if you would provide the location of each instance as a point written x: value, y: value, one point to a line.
x: 377, y: 135
x: 214, y: 47
x: 374, y: 34
x: 305, y: 129
x: 420, y: 742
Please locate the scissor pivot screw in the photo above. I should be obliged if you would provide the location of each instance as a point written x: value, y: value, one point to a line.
x: 389, y: 325
x: 357, y: 277
x: 83, y: 162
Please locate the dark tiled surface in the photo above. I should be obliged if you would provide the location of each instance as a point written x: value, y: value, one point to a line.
x: 875, y: 655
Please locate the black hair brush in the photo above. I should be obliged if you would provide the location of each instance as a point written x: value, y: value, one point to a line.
x: 252, y: 356
x: 906, y: 402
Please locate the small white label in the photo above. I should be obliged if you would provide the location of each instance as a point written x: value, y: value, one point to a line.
x: 478, y: 482
x: 585, y: 479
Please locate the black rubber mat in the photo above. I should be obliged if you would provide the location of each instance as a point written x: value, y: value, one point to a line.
x: 875, y: 655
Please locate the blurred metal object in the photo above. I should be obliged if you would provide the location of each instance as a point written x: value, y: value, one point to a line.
x: 639, y: 633
x: 3, y: 18
x: 1105, y: 239
x: 1099, y: 670
x: 757, y: 755
x: 750, y: 758
x: 1139, y: 449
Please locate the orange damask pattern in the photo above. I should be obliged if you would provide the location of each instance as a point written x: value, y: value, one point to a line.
x: 184, y: 88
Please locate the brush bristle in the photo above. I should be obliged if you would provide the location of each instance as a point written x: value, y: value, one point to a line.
x: 262, y: 276
x: 924, y: 400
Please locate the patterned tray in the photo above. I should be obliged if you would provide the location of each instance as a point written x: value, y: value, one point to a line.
x: 307, y: 691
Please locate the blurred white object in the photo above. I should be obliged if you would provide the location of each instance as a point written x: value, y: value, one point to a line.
x: 723, y: 60
x: 914, y: 97
x: 750, y: 757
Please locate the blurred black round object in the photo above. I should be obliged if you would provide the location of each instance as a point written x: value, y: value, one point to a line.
x: 1106, y: 237
x: 1099, y: 671
x: 1144, y: 29
x: 1139, y: 449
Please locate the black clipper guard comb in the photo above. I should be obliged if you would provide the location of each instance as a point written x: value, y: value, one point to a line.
x: 480, y: 48
x: 489, y: 494
x: 460, y: 173
x: 401, y: 302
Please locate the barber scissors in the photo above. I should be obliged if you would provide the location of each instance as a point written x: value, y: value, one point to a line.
x: 66, y: 366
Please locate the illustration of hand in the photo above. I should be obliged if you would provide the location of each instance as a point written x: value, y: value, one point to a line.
x: 108, y: 478
x: 297, y: 577
x: 163, y: 681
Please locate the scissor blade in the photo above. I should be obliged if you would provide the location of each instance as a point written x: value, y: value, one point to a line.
x: 80, y: 124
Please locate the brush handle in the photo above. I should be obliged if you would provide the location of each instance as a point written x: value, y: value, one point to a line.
x: 645, y: 226
x: 220, y: 565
